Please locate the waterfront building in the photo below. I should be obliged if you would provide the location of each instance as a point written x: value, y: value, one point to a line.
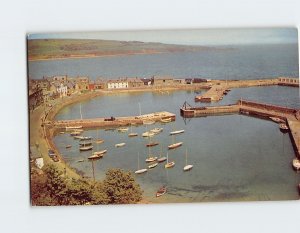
x: 117, y: 84
x: 162, y: 80
x: 146, y: 81
x: 179, y: 81
x: 82, y: 83
x: 288, y: 81
x: 99, y: 84
x: 135, y: 82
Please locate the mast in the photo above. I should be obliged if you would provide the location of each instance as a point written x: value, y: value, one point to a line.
x: 167, y: 157
x: 185, y: 157
x: 80, y: 111
x: 140, y: 109
x: 138, y: 160
x: 160, y: 150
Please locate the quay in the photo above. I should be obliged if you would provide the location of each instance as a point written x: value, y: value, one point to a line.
x: 261, y: 110
x: 220, y: 88
x: 114, y: 121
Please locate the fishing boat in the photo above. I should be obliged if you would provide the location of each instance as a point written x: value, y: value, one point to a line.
x: 75, y: 133
x: 122, y: 129
x: 140, y: 171
x: 176, y: 132
x: 277, y: 119
x: 68, y: 146
x: 148, y: 134
x: 283, y: 127
x: 151, y: 158
x: 156, y: 130
x: 187, y: 167
x: 153, y: 165
x: 161, y: 191
x: 120, y: 144
x: 169, y: 164
x: 131, y: 134
x: 175, y: 145
x: 166, y: 120
x: 296, y: 164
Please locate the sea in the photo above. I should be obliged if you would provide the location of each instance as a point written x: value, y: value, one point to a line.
x: 234, y: 157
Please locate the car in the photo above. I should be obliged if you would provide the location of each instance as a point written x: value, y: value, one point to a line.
x: 51, y: 153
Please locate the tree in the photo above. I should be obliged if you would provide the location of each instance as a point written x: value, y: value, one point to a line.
x: 121, y: 188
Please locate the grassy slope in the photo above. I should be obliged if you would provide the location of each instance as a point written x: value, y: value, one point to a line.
x: 64, y: 48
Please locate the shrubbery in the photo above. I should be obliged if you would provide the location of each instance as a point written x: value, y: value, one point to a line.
x: 53, y: 188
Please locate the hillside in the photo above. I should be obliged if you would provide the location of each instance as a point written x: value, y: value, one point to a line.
x: 72, y: 48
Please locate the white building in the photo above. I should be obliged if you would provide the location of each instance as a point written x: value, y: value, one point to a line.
x: 62, y: 90
x: 117, y: 84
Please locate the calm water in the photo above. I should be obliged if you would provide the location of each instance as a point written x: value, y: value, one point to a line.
x: 235, y: 157
x: 242, y: 62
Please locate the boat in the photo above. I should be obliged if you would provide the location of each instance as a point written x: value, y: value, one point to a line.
x: 283, y: 127
x: 140, y: 171
x: 75, y: 133
x: 175, y: 145
x: 296, y: 164
x: 83, y: 138
x: 148, y: 122
x: 151, y: 158
x: 176, y: 132
x: 80, y: 160
x: 101, y: 152
x: 96, y: 156
x: 187, y: 167
x: 156, y: 130
x: 161, y: 159
x: 277, y: 119
x: 148, y: 134
x: 62, y: 132
x: 152, y: 144
x: 161, y: 191
x: 166, y: 120
x: 68, y: 146
x: 120, y: 144
x: 85, y: 143
x: 153, y: 165
x: 70, y: 128
x: 98, y: 140
x: 122, y: 129
x: 131, y: 134
x: 85, y: 148
x: 169, y: 164
x: 78, y: 137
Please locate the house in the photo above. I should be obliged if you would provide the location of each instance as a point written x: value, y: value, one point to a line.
x: 288, y: 81
x: 117, y: 84
x: 99, y: 84
x: 179, y: 81
x: 60, y: 78
x: 188, y: 81
x: 146, y: 81
x: 135, y: 82
x: 162, y: 80
x: 82, y: 84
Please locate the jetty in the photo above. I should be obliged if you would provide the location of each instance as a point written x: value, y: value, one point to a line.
x: 261, y: 110
x: 114, y: 121
x: 220, y: 88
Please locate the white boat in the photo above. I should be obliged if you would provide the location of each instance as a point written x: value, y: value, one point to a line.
x: 96, y: 156
x: 70, y: 128
x: 85, y: 148
x: 187, y: 167
x: 101, y: 152
x: 131, y: 134
x: 140, y: 171
x: 120, y: 144
x: 161, y: 159
x: 176, y: 132
x: 122, y: 129
x: 151, y: 158
x: 156, y: 130
x: 167, y: 120
x: 296, y: 164
x: 148, y: 134
x: 82, y: 138
x: 169, y: 164
x: 85, y: 145
x: 153, y: 165
x: 78, y: 137
x: 98, y: 140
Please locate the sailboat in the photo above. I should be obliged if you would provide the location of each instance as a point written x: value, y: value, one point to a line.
x: 156, y: 130
x: 169, y: 164
x: 140, y: 171
x: 131, y: 134
x: 98, y: 153
x: 161, y: 159
x: 85, y: 145
x: 174, y: 145
x: 150, y: 144
x: 78, y: 127
x: 150, y: 158
x: 187, y: 167
x: 98, y: 140
x: 177, y: 132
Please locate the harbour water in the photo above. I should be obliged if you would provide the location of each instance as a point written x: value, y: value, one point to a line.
x: 235, y: 157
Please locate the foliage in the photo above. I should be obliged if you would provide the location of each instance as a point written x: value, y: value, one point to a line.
x: 54, y: 188
x: 121, y: 187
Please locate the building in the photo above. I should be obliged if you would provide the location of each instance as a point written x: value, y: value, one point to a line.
x: 179, y: 81
x: 60, y: 78
x: 99, y: 84
x: 82, y: 84
x: 288, y: 81
x: 147, y: 81
x: 162, y: 80
x: 117, y: 84
x: 135, y: 82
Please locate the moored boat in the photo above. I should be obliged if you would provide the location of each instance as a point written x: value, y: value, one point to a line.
x: 78, y: 137
x: 80, y: 160
x: 83, y: 138
x: 69, y: 128
x: 175, y: 145
x: 99, y: 141
x: 151, y: 159
x: 68, y: 146
x: 283, y: 127
x: 277, y: 119
x: 148, y: 122
x: 187, y: 167
x: 148, y: 134
x: 75, y: 133
x: 166, y: 120
x: 153, y: 165
x: 161, y: 191
x: 120, y: 144
x: 169, y: 164
x: 156, y: 130
x: 86, y: 148
x: 96, y: 156
x: 161, y: 159
x: 132, y: 135
x: 140, y: 171
x: 122, y: 129
x: 177, y: 132
x: 152, y: 144
x: 101, y: 152
x: 296, y: 164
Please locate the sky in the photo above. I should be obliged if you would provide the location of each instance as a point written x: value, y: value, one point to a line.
x: 187, y: 37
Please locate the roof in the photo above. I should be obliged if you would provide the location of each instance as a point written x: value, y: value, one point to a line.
x: 136, y: 80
